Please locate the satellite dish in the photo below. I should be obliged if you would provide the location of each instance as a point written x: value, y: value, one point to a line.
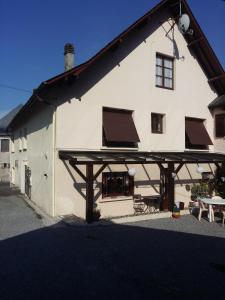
x: 184, y: 23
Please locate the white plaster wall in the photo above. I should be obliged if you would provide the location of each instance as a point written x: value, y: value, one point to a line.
x: 131, y: 85
x: 38, y: 156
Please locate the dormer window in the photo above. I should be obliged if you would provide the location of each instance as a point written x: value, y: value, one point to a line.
x: 164, y: 71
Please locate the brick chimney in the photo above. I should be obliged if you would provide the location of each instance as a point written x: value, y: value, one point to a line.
x: 69, y: 56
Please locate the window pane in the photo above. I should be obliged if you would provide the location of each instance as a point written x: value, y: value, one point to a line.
x: 168, y: 63
x: 168, y: 73
x: 159, y: 71
x: 159, y: 81
x: 168, y: 83
x: 5, y: 145
x: 159, y: 61
x: 157, y: 125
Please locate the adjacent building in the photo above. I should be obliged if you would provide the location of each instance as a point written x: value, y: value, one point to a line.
x: 135, y: 119
x: 5, y: 145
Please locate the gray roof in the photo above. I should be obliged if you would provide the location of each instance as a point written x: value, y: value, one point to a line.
x: 218, y: 102
x: 5, y: 121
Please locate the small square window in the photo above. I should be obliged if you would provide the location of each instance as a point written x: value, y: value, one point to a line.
x: 157, y: 123
x: 164, y: 72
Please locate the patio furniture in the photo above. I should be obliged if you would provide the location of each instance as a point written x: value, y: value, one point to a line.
x: 152, y: 203
x: 223, y: 217
x: 202, y: 208
x: 211, y: 202
x: 138, y: 204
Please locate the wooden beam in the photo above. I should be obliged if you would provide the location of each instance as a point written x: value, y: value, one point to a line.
x: 89, y: 193
x: 170, y: 190
x: 100, y: 171
x: 178, y: 168
x: 195, y: 42
x: 162, y: 169
x: 217, y: 165
x: 78, y: 171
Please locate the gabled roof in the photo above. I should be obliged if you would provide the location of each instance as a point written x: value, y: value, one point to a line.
x: 197, y: 43
x: 218, y: 102
x: 7, y: 119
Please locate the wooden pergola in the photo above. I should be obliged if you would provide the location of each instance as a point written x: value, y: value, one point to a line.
x: 169, y: 163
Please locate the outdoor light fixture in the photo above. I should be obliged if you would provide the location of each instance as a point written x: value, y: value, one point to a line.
x: 95, y: 184
x: 222, y: 179
x: 174, y: 175
x: 132, y: 172
x: 200, y: 170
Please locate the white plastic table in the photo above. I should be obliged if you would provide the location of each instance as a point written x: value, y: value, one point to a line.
x: 210, y: 202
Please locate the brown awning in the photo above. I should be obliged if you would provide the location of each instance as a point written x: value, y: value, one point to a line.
x: 197, y: 132
x: 119, y: 126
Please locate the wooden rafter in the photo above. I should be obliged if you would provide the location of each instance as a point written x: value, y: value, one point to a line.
x: 100, y: 171
x: 179, y: 168
x: 78, y: 171
x: 216, y: 77
x: 195, y: 41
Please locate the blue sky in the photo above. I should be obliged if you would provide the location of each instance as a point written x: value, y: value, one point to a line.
x: 33, y: 33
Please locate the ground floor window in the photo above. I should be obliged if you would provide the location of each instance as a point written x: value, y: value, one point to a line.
x: 117, y: 184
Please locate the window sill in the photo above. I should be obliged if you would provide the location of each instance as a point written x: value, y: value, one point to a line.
x: 157, y: 132
x: 196, y: 150
x: 119, y: 148
x: 165, y: 88
x: 115, y: 199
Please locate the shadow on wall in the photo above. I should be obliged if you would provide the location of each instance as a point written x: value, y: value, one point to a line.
x: 111, y: 262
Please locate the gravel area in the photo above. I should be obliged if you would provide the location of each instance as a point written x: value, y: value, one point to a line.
x: 186, y: 224
x: 155, y: 259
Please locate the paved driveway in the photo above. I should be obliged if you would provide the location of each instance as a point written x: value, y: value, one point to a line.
x: 160, y: 259
x: 16, y: 217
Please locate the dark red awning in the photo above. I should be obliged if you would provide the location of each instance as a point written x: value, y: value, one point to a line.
x: 119, y: 126
x: 197, y: 132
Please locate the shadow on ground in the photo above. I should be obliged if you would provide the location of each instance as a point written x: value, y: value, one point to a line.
x: 111, y: 262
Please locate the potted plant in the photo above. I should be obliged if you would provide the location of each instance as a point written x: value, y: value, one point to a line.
x: 96, y: 214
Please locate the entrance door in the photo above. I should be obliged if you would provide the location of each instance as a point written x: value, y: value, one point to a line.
x: 27, y: 181
x: 22, y: 176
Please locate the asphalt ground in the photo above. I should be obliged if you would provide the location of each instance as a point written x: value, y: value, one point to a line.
x: 155, y: 259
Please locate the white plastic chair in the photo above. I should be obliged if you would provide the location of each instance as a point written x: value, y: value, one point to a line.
x: 202, y: 208
x: 138, y: 204
x: 223, y: 216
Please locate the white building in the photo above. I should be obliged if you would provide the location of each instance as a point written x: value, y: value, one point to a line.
x: 5, y: 145
x: 140, y: 103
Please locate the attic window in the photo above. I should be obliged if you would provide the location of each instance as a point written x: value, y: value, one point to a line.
x: 164, y: 71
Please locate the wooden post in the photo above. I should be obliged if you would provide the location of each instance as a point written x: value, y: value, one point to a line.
x: 163, y: 204
x: 170, y: 185
x: 89, y: 192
